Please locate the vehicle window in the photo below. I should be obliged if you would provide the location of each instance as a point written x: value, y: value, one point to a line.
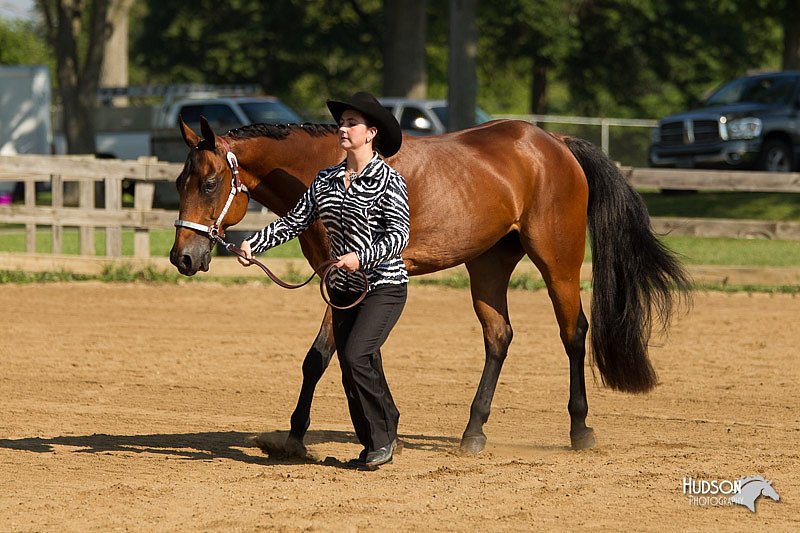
x: 191, y: 115
x: 414, y: 119
x: 270, y: 113
x: 481, y: 116
x: 216, y: 114
x: 764, y: 90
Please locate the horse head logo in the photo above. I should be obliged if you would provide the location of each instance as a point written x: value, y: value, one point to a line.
x: 751, y: 488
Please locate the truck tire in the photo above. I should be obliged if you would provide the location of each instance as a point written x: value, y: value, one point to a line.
x: 776, y: 156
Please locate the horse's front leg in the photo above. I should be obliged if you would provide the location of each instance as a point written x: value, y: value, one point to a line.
x: 314, y: 365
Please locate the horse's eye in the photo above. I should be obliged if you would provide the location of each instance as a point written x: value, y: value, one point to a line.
x: 210, y: 186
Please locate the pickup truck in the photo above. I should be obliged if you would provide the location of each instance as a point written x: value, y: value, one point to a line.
x: 749, y: 123
x: 131, y: 132
x: 423, y: 116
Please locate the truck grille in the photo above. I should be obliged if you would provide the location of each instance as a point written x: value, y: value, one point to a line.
x: 689, y: 132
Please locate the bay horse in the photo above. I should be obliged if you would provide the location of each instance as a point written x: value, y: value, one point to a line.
x: 484, y: 197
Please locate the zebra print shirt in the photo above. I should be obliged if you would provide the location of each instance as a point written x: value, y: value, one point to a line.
x: 369, y: 218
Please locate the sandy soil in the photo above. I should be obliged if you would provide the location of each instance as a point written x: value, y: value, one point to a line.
x: 131, y: 407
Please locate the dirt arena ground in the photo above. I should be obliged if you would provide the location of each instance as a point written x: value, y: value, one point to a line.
x: 131, y: 407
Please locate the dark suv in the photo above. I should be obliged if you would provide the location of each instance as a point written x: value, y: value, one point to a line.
x: 749, y: 123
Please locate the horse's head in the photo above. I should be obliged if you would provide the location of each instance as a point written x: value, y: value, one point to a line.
x: 204, y: 186
x: 769, y: 491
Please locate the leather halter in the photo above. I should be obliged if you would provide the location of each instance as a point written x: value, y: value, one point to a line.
x: 216, y: 236
x: 213, y: 231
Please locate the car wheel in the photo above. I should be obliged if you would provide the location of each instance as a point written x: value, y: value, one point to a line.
x: 776, y: 156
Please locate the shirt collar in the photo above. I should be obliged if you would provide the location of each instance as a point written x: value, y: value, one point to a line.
x: 369, y: 171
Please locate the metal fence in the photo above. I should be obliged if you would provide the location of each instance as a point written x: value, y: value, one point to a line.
x: 626, y: 140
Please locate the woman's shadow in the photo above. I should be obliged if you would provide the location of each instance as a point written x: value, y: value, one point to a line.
x: 232, y: 445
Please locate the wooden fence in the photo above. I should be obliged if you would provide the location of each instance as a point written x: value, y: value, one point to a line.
x: 719, y: 180
x: 142, y: 217
x: 58, y: 170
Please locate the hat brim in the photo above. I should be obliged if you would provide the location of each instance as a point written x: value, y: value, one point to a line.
x: 389, y: 132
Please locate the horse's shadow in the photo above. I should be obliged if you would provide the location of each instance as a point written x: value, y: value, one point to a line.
x: 208, y: 446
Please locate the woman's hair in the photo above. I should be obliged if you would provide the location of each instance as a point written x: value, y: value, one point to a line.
x: 376, y: 139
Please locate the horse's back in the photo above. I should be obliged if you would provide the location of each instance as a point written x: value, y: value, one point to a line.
x: 514, y: 150
x: 468, y: 189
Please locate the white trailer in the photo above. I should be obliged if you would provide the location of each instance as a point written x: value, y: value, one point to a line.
x: 25, y: 124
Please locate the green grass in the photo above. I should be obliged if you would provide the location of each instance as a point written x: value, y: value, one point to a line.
x: 12, y: 239
x: 703, y: 204
x: 735, y: 252
x: 727, y: 251
x: 126, y: 274
x: 737, y: 205
x: 692, y: 250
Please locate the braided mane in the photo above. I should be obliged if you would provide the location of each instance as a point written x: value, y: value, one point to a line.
x: 280, y: 131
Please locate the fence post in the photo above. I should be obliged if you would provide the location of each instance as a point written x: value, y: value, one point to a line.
x: 86, y: 202
x: 604, y: 134
x: 56, y: 229
x: 113, y: 197
x: 143, y: 194
x: 30, y: 203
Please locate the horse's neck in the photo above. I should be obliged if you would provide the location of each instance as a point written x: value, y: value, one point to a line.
x: 752, y: 490
x: 280, y: 171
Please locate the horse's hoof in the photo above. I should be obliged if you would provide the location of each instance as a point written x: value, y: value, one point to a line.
x: 583, y: 440
x: 294, y: 447
x: 473, y: 445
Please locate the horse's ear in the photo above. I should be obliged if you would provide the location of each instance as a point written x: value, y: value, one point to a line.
x: 189, y: 137
x: 208, y: 133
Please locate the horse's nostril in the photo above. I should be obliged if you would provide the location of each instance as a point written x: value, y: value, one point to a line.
x: 186, y: 262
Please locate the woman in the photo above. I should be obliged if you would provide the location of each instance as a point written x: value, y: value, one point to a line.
x: 363, y: 204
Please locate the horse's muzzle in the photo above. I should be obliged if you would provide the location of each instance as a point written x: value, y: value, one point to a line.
x: 189, y: 262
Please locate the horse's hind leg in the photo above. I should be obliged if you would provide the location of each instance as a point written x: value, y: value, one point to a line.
x: 559, y: 260
x: 489, y: 275
x: 574, y: 326
x: 314, y: 365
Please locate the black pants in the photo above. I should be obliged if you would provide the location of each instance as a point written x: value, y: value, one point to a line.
x: 359, y: 334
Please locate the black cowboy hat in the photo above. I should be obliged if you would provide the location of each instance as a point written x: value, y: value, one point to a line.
x: 390, y: 136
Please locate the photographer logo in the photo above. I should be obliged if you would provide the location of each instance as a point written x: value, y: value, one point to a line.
x: 721, y: 492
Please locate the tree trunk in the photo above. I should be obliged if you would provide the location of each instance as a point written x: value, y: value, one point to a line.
x: 115, y: 55
x: 462, y: 80
x: 404, y: 61
x: 539, y: 88
x: 791, y: 35
x: 78, y: 74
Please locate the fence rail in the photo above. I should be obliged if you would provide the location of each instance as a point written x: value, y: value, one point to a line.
x: 605, y: 124
x: 145, y: 173
x: 716, y: 180
x: 58, y: 170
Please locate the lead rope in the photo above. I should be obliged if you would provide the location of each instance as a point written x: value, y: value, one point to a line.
x: 213, y: 233
x: 326, y: 268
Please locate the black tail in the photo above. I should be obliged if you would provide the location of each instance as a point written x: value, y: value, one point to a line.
x: 634, y: 274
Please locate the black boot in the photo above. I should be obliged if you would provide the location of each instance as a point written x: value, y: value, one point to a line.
x: 381, y: 456
x: 360, y: 461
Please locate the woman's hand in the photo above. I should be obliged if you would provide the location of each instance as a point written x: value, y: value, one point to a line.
x: 348, y: 262
x: 245, y: 247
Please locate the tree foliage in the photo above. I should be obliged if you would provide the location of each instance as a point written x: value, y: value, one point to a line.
x: 639, y: 58
x: 528, y: 40
x: 22, y: 44
x: 298, y: 49
x: 76, y: 31
x: 645, y: 57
